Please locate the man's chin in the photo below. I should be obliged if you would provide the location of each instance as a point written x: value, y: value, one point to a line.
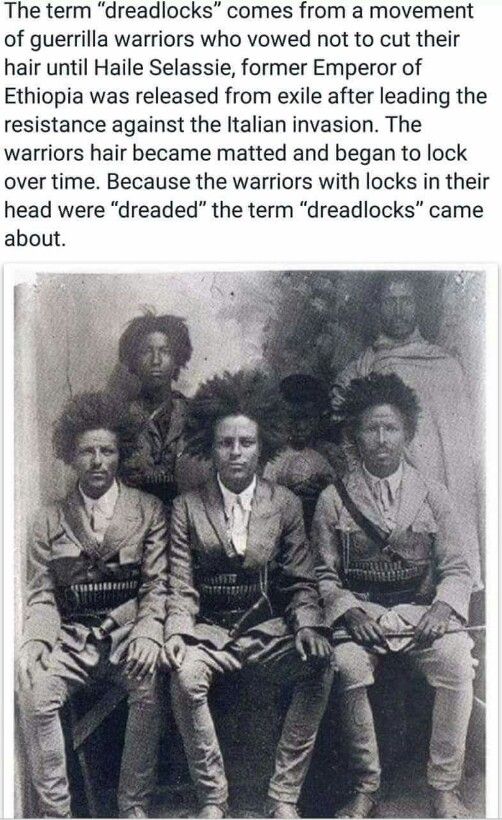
x: 401, y: 332
x: 383, y: 465
x: 97, y: 484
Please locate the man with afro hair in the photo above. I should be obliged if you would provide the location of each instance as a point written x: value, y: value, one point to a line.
x: 95, y: 606
x: 391, y: 561
x: 154, y: 349
x: 242, y: 588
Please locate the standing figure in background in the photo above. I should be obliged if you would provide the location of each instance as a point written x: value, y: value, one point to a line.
x: 443, y: 447
x: 95, y: 605
x: 303, y: 465
x: 243, y: 590
x: 391, y: 561
x: 154, y: 349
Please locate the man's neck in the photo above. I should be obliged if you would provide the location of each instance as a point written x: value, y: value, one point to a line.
x: 154, y: 396
x: 236, y: 489
x: 89, y: 492
x: 384, y: 472
x: 393, y: 341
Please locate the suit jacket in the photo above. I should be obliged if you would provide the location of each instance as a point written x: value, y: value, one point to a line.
x: 63, y: 541
x: 276, y: 536
x: 425, y: 507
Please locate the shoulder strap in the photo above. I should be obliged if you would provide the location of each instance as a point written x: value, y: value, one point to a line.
x: 366, y: 525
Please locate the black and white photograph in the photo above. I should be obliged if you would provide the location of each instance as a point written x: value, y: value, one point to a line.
x: 250, y: 551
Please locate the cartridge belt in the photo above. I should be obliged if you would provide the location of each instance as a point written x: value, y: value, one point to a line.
x: 385, y: 582
x: 228, y: 591
x: 86, y: 599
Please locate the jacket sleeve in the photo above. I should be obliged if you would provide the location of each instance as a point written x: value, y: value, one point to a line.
x: 453, y: 576
x: 328, y: 551
x: 149, y: 621
x: 297, y: 583
x: 42, y: 615
x: 183, y: 598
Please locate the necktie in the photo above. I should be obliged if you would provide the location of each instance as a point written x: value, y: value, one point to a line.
x: 98, y: 522
x: 384, y: 495
x: 239, y: 530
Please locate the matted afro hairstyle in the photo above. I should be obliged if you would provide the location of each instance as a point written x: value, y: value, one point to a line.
x: 248, y: 393
x: 174, y: 328
x: 94, y: 411
x: 372, y: 391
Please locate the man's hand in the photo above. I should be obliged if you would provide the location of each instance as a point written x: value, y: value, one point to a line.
x: 364, y: 629
x: 310, y: 644
x: 33, y: 658
x: 141, y: 659
x: 173, y: 653
x: 432, y: 625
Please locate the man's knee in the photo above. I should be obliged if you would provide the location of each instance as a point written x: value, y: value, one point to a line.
x: 47, y: 694
x: 354, y: 666
x: 449, y: 662
x: 193, y: 679
x: 147, y: 691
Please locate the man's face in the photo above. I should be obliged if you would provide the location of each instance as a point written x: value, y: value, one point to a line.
x: 381, y: 438
x: 304, y: 420
x: 398, y: 309
x: 236, y: 450
x: 154, y: 364
x: 96, y: 461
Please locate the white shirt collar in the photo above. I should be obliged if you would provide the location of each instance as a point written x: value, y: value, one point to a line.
x: 393, y: 480
x: 229, y: 498
x: 105, y: 503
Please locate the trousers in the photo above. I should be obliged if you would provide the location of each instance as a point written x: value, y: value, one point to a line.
x: 278, y: 660
x: 39, y: 705
x: 447, y: 666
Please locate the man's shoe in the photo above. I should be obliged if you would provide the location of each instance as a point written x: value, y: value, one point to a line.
x: 448, y: 804
x: 214, y: 811
x: 360, y: 805
x: 280, y: 809
x: 134, y: 811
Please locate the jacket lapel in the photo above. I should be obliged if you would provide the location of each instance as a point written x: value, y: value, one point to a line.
x: 126, y: 516
x: 413, y: 492
x: 215, y: 511
x: 177, y: 422
x: 358, y: 489
x: 76, y: 524
x: 77, y: 527
x: 260, y: 534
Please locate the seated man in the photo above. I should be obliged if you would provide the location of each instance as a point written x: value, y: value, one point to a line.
x: 95, y: 604
x: 391, y: 560
x: 242, y: 589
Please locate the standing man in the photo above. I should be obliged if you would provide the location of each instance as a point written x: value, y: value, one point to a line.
x: 302, y: 465
x: 242, y: 589
x: 442, y: 448
x: 154, y: 349
x: 391, y: 560
x: 95, y: 604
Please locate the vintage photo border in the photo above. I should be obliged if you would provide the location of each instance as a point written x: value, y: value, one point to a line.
x: 15, y: 274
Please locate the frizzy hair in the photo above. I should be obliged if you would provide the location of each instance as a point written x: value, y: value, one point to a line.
x: 94, y: 411
x: 375, y: 390
x: 248, y: 393
x: 173, y: 327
